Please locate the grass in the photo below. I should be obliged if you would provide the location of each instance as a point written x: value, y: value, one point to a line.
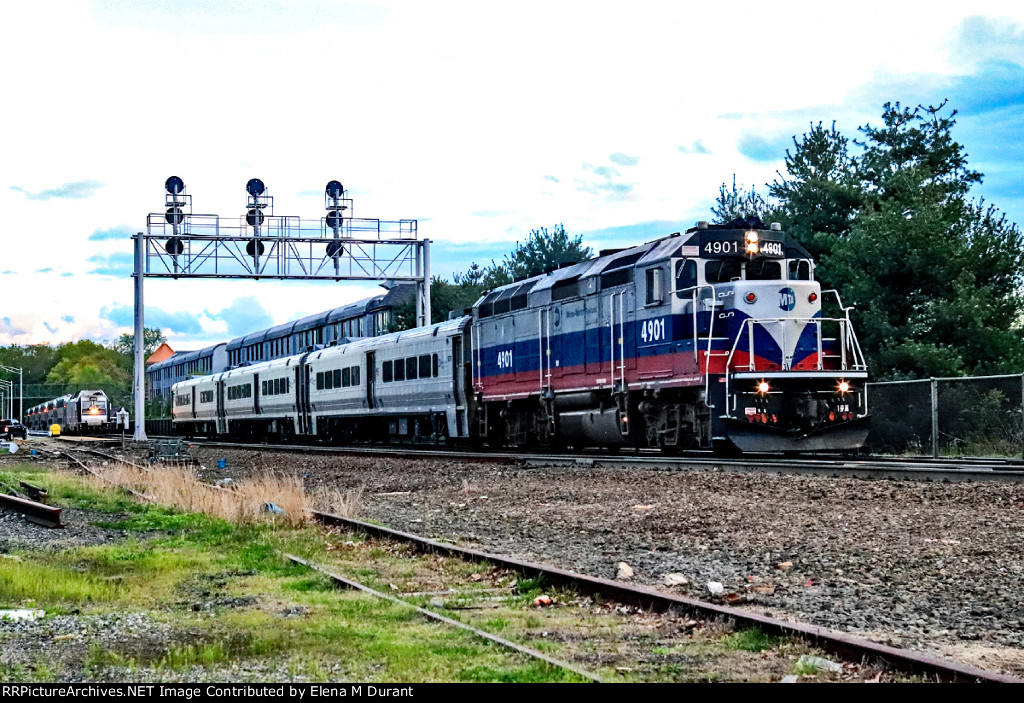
x: 753, y: 640
x: 23, y: 582
x: 298, y: 624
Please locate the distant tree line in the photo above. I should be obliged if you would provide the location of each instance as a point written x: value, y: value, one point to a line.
x: 81, y: 364
x: 542, y: 250
x: 935, y: 274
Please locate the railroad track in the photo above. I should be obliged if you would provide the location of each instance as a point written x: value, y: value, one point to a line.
x: 875, y: 467
x: 841, y: 644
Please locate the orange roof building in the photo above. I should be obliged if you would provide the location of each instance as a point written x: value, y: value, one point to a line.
x: 162, y: 353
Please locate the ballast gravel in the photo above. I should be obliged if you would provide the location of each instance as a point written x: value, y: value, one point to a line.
x: 936, y: 567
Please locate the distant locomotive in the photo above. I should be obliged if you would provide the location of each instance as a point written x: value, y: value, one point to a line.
x: 83, y: 411
x: 711, y: 339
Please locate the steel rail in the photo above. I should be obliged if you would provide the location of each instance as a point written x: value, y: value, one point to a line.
x: 976, y: 470
x: 522, y: 649
x: 838, y: 643
x: 44, y: 515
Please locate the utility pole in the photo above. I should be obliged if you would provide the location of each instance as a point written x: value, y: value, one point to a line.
x: 139, y: 382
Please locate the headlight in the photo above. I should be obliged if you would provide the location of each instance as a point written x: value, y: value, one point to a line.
x: 762, y: 387
x: 844, y: 387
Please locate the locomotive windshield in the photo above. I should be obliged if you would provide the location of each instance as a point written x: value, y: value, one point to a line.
x: 686, y: 277
x: 764, y: 270
x: 800, y: 270
x: 723, y: 270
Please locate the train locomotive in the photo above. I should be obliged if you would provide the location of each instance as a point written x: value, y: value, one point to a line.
x: 711, y: 339
x: 82, y: 411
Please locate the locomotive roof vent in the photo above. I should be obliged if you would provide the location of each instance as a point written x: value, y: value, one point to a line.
x: 776, y: 227
x: 702, y: 224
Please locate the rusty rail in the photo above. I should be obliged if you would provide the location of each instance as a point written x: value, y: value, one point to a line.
x: 38, y: 513
x: 838, y: 643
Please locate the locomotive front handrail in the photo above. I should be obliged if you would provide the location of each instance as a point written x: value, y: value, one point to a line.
x: 847, y: 341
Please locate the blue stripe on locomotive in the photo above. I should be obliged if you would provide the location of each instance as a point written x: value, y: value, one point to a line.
x: 591, y: 344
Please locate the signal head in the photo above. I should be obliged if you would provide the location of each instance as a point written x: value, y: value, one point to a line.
x: 255, y: 187
x: 335, y: 189
x: 174, y: 185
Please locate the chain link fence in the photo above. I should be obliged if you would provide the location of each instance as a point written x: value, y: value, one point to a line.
x: 959, y: 416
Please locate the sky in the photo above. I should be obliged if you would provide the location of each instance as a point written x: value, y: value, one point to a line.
x: 481, y: 121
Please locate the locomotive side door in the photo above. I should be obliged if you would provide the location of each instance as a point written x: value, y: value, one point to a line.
x: 544, y: 341
x: 592, y: 336
x: 459, y: 385
x: 194, y: 394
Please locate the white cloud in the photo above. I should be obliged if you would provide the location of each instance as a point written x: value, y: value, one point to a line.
x: 436, y: 111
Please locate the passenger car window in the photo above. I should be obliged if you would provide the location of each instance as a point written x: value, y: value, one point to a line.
x: 386, y: 371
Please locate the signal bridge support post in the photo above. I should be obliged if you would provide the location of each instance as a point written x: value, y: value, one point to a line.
x: 139, y: 381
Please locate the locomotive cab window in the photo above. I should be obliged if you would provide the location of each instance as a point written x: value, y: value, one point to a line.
x: 654, y: 296
x: 764, y: 270
x: 722, y: 271
x: 686, y: 277
x: 800, y: 270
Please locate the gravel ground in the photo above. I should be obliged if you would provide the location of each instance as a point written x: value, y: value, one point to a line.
x: 927, y: 566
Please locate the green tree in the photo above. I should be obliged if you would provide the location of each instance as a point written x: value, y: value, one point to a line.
x: 735, y: 203
x: 35, y: 360
x: 88, y: 364
x: 464, y: 290
x: 935, y: 276
x: 152, y: 338
x: 541, y: 252
x: 820, y: 192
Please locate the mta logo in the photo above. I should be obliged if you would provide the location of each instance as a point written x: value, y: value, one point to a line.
x: 787, y: 299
